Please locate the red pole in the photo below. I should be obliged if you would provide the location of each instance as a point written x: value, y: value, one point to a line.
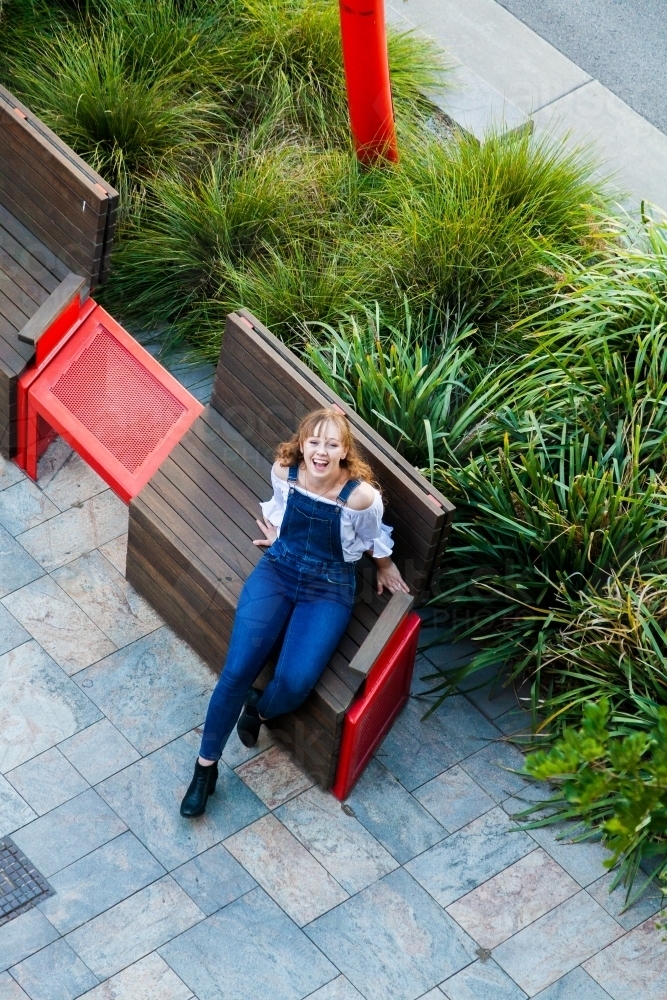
x: 367, y: 79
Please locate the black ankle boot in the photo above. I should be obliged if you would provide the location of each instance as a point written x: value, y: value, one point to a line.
x: 199, y: 789
x: 249, y: 722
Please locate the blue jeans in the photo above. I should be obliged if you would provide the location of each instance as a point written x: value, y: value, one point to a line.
x: 276, y: 594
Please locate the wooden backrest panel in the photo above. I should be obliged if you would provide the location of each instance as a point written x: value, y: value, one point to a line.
x: 263, y: 390
x: 54, y: 193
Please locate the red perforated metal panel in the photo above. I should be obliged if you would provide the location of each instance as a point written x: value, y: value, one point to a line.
x: 387, y: 689
x: 127, y: 409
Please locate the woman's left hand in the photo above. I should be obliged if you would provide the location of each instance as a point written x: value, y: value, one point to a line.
x: 389, y: 577
x: 270, y: 533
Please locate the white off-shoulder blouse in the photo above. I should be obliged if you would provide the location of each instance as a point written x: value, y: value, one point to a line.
x: 360, y: 530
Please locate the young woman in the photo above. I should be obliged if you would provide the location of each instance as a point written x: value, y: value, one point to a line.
x: 323, y: 516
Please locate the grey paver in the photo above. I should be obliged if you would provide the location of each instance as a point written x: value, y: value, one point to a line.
x: 64, y: 537
x: 46, y: 781
x: 274, y: 777
x: 148, y: 794
x: 576, y: 985
x: 40, y: 705
x: 116, y: 552
x: 23, y: 936
x: 555, y: 944
x: 338, y: 989
x: 10, y: 989
x: 634, y: 967
x: 12, y: 633
x: 235, y: 753
x: 415, y: 750
x: 52, y: 461
x: 99, y: 751
x: 338, y: 841
x: 285, y: 869
x: 482, y: 981
x: 58, y: 624
x: 512, y: 899
x: 153, y: 690
x: 65, y: 834
x: 584, y: 861
x: 24, y: 506
x: 650, y: 901
x: 392, y: 815
x: 107, y: 598
x: 392, y: 940
x: 54, y: 973
x: 492, y: 768
x: 213, y: 879
x: 73, y: 483
x: 14, y: 811
x: 9, y: 473
x: 99, y: 880
x: 148, y: 979
x: 250, y: 937
x: 134, y: 927
x: 454, y: 798
x: 470, y: 856
x: 16, y: 567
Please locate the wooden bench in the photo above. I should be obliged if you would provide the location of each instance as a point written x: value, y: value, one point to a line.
x: 57, y: 218
x: 191, y: 528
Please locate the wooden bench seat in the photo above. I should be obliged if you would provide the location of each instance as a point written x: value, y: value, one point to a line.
x: 191, y: 528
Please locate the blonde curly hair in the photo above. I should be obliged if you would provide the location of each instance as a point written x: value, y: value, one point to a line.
x: 291, y: 452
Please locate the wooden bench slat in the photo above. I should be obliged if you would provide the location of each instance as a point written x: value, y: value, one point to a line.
x: 35, y: 248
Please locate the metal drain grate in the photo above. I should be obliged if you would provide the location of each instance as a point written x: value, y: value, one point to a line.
x: 21, y: 885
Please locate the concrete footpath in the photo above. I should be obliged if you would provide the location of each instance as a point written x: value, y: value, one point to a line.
x: 532, y: 78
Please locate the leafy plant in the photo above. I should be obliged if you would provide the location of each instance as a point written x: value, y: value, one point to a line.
x: 614, y: 781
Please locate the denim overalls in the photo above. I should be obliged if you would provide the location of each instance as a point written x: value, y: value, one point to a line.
x: 301, y: 586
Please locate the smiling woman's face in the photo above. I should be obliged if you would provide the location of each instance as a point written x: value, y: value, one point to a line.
x: 323, y: 452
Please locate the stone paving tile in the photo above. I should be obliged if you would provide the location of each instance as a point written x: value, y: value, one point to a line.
x: 338, y: 841
x: 556, y: 943
x: 9, y: 473
x: 58, y: 624
x: 235, y: 753
x: 14, y: 811
x: 148, y: 979
x: 107, y: 598
x: 514, y: 722
x: 12, y: 634
x: 52, y: 461
x: 415, y: 750
x: 55, y: 973
x: 116, y: 552
x: 40, y: 705
x: 147, y: 795
x: 153, y: 690
x: 392, y: 814
x: 46, y: 781
x: 485, y: 690
x: 583, y: 861
x: 99, y: 880
x: 16, y: 567
x: 274, y: 777
x: 99, y: 751
x: 285, y: 869
x: 392, y: 941
x: 482, y: 981
x: 23, y: 936
x: 453, y: 798
x: 77, y: 530
x: 10, y: 989
x: 650, y: 901
x: 514, y: 898
x: 24, y: 506
x: 65, y: 834
x: 213, y: 879
x: 251, y: 937
x: 490, y: 769
x: 131, y: 929
x: 635, y: 967
x: 576, y: 985
x: 73, y: 483
x: 338, y: 989
x: 470, y: 856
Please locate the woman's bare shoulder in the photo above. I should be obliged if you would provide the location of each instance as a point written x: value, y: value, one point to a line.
x: 280, y: 471
x: 362, y: 497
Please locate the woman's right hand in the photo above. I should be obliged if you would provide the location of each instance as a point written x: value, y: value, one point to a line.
x: 270, y: 533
